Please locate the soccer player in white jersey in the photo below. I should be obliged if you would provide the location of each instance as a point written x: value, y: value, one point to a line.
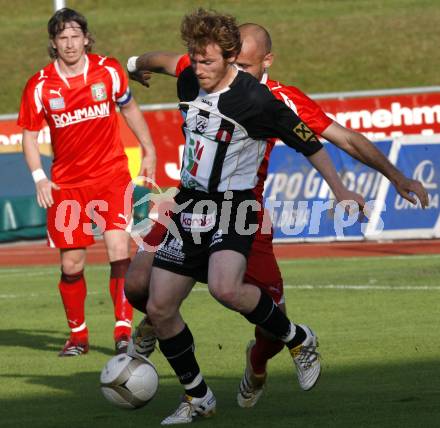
x: 262, y: 270
x: 228, y: 117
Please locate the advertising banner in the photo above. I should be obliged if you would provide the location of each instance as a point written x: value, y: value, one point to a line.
x: 298, y: 198
x: 295, y: 193
x: 379, y: 115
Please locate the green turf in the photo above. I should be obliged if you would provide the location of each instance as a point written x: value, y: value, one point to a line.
x: 380, y: 348
x: 320, y: 45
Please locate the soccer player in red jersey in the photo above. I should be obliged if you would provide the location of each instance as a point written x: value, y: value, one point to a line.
x: 77, y: 95
x: 256, y: 57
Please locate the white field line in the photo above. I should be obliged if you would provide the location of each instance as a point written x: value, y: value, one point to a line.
x: 357, y: 287
x: 32, y: 295
x: 355, y: 259
x: 334, y: 287
x: 360, y: 287
x: 9, y: 272
x: 44, y: 270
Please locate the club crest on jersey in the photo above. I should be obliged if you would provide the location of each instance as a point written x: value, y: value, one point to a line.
x: 201, y: 123
x: 99, y: 92
x: 303, y: 132
x: 57, y: 103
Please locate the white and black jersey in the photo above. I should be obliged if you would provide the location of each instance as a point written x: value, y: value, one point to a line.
x: 226, y: 131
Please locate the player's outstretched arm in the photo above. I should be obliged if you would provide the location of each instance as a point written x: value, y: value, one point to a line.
x: 136, y: 122
x: 362, y: 149
x: 43, y: 185
x: 140, y: 67
x: 323, y: 164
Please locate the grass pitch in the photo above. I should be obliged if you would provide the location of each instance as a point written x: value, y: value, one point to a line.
x: 377, y: 321
x: 320, y: 45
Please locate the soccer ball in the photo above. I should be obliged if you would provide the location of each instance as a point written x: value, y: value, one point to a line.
x: 129, y: 382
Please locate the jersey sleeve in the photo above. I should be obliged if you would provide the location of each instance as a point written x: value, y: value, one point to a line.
x: 120, y: 84
x: 31, y: 114
x: 184, y: 62
x: 308, y: 110
x: 289, y: 128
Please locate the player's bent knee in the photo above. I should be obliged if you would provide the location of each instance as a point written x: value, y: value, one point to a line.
x: 70, y: 267
x: 158, y: 313
x: 228, y: 297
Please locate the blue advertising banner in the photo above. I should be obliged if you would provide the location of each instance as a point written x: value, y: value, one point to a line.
x: 302, y: 207
x: 400, y: 218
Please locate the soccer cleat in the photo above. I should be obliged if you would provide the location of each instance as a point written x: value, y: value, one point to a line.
x: 252, y: 384
x: 72, y: 349
x: 143, y: 340
x: 192, y: 407
x: 121, y: 344
x: 306, y: 360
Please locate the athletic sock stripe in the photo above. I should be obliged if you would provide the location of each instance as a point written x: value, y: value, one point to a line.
x: 123, y: 324
x: 80, y: 328
x: 197, y: 381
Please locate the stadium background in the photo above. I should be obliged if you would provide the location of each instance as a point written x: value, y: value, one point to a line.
x: 369, y: 312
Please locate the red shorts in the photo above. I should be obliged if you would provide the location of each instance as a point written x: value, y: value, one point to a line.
x: 70, y: 219
x: 262, y: 267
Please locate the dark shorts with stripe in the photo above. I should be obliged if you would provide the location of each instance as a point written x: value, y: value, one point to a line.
x: 209, y: 222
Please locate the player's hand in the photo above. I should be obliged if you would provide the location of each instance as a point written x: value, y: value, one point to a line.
x: 141, y: 76
x: 148, y: 164
x: 405, y: 187
x: 44, y: 192
x: 346, y: 197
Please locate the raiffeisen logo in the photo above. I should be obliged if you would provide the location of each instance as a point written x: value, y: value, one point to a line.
x: 81, y: 114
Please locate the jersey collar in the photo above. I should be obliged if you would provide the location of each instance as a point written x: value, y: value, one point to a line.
x: 64, y: 78
x: 264, y: 79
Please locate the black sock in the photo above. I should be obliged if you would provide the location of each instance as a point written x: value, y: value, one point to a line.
x: 179, y: 351
x: 269, y: 316
x: 300, y: 336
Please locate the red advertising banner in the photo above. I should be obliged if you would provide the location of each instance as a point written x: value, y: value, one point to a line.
x: 378, y: 117
x: 387, y: 116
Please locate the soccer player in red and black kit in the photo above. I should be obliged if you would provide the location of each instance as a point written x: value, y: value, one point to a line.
x: 262, y: 269
x: 77, y: 95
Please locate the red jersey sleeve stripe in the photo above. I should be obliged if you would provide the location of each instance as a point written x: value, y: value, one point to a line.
x: 183, y: 63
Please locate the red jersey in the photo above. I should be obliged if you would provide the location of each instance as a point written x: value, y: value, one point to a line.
x: 81, y: 114
x: 307, y: 109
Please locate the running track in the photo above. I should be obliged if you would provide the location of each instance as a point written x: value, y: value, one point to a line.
x: 37, y: 253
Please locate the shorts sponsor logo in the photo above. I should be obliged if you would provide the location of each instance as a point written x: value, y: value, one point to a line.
x: 171, y: 251
x: 195, y: 222
x: 57, y: 103
x: 217, y: 238
x: 99, y: 92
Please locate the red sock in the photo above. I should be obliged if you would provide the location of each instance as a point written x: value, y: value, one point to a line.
x: 263, y: 350
x: 123, y: 309
x: 73, y: 292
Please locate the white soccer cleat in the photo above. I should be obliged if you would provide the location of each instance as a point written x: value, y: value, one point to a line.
x: 192, y: 407
x: 306, y: 360
x: 143, y: 340
x: 252, y: 385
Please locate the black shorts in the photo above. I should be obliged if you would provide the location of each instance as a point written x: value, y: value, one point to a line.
x: 209, y: 222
